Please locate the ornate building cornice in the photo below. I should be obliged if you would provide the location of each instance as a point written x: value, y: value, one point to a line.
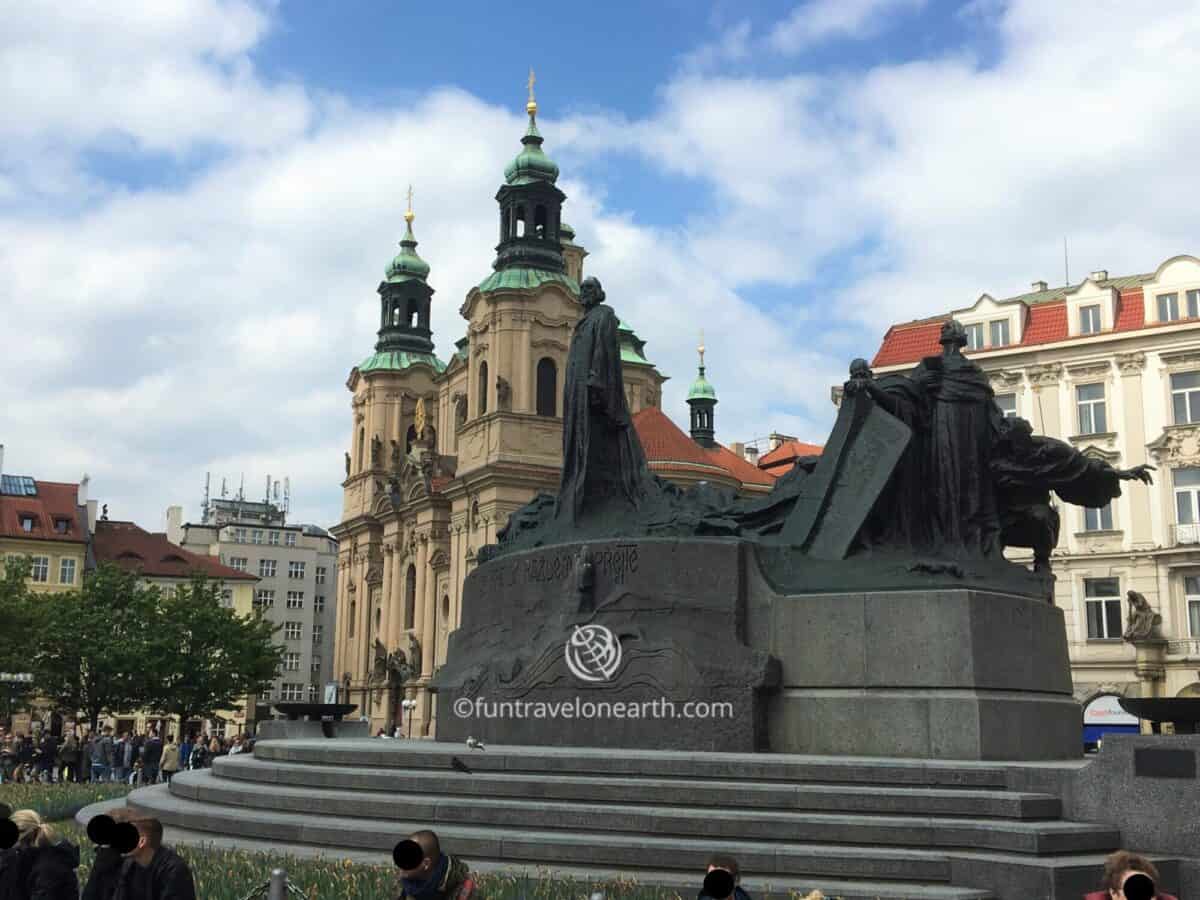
x: 1179, y: 445
x: 1131, y: 363
x: 1045, y: 375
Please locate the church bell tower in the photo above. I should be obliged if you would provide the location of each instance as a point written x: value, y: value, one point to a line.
x: 405, y: 297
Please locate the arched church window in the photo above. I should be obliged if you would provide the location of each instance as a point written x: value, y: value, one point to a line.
x: 483, y: 387
x: 378, y: 619
x: 539, y: 221
x: 362, y: 439
x: 547, y: 387
x: 520, y: 223
x: 350, y: 621
x: 410, y: 596
x: 413, y: 313
x: 395, y: 313
x: 445, y: 610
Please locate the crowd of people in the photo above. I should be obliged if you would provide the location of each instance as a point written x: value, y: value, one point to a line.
x: 138, y: 758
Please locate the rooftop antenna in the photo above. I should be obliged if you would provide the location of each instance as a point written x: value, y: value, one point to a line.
x: 287, y: 495
x: 268, y: 500
x: 1066, y: 266
x: 204, y: 505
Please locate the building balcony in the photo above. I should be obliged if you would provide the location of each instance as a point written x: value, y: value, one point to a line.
x: 1189, y: 647
x: 1185, y: 535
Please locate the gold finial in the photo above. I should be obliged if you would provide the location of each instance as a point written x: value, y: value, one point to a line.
x: 701, y: 348
x: 409, y: 215
x: 531, y: 106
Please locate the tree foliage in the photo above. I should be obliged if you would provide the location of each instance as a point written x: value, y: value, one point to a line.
x: 90, y: 653
x: 18, y: 629
x: 208, y: 658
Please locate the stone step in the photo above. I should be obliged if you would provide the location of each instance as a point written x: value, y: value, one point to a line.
x: 988, y: 804
x: 420, y: 754
x: 684, y: 883
x: 1040, y: 837
x: 551, y: 848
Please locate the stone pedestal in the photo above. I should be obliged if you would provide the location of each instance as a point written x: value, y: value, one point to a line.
x: 934, y: 674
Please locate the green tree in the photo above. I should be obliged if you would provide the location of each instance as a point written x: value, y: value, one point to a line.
x: 18, y: 630
x: 90, y: 653
x: 209, y: 657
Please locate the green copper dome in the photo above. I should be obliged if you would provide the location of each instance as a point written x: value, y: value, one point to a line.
x: 701, y: 389
x: 398, y: 361
x: 407, y: 264
x: 531, y: 164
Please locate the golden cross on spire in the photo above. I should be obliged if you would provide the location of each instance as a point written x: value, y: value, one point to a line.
x: 409, y: 215
x: 701, y: 348
x: 531, y: 106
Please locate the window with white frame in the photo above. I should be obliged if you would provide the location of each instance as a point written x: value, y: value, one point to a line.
x: 1187, y: 505
x: 1100, y: 519
x: 266, y: 568
x: 295, y: 569
x: 1007, y: 404
x: 291, y: 662
x: 256, y: 536
x: 1168, y: 307
x: 316, y: 664
x: 293, y: 631
x: 39, y: 568
x: 239, y: 535
x: 291, y: 691
x: 238, y: 562
x: 1185, y: 397
x: 1193, y: 303
x: 273, y: 538
x: 1089, y: 399
x: 1102, y: 596
x: 295, y: 599
x: 313, y: 693
x: 975, y: 336
x: 999, y: 333
x: 1191, y: 590
x: 291, y: 539
x: 321, y: 574
x: 264, y: 598
x: 1089, y: 319
x: 66, y: 571
x: 318, y: 633
x: 319, y: 603
x: 227, y: 598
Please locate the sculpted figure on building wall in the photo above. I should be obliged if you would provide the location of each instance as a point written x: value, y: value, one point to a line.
x: 1143, y: 622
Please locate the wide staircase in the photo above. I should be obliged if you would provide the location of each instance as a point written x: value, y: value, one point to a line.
x: 853, y: 828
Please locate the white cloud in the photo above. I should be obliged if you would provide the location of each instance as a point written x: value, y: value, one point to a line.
x: 820, y: 20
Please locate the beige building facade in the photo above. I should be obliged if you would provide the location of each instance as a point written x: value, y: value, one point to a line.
x: 1112, y: 366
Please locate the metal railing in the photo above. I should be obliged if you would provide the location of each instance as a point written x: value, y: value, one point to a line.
x: 1182, y: 535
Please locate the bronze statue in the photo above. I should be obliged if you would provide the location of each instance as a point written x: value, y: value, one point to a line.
x: 347, y: 464
x: 503, y: 393
x: 602, y: 456
x: 376, y: 449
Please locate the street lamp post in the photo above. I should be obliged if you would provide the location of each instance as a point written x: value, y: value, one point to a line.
x: 408, y: 706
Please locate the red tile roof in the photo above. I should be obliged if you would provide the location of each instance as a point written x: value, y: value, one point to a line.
x: 670, y: 449
x: 1045, y: 323
x: 150, y: 553
x: 779, y: 460
x: 54, y: 500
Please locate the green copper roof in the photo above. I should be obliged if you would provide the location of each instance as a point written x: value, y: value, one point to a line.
x: 531, y: 164
x: 398, y: 361
x: 524, y: 279
x: 633, y: 348
x: 407, y: 264
x: 701, y: 389
x: 567, y: 232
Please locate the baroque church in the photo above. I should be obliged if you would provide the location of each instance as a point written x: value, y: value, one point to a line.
x: 441, y: 453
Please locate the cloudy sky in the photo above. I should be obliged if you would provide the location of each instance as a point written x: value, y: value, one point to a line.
x: 198, y: 198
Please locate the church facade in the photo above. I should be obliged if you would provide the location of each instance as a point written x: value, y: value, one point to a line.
x: 441, y: 453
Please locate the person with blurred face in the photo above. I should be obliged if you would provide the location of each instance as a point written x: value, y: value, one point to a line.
x: 1129, y: 876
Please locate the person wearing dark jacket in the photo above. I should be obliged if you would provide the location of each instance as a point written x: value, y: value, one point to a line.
x: 39, y: 867
x: 152, y: 752
x: 154, y: 872
x: 729, y: 866
x: 106, y: 865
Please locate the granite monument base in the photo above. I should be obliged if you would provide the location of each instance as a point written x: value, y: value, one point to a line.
x: 714, y: 656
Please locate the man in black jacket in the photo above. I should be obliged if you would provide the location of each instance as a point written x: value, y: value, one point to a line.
x: 151, y: 758
x: 154, y: 872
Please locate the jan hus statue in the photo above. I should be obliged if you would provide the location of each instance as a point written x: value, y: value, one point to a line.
x: 603, y: 461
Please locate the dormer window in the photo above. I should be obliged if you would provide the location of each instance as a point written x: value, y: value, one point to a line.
x: 1168, y: 307
x: 62, y: 526
x: 1193, y: 304
x: 27, y: 522
x: 974, y: 336
x: 999, y: 333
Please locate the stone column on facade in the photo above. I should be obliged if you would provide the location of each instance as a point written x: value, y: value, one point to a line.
x: 421, y: 615
x: 385, y: 600
x: 1133, y: 441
